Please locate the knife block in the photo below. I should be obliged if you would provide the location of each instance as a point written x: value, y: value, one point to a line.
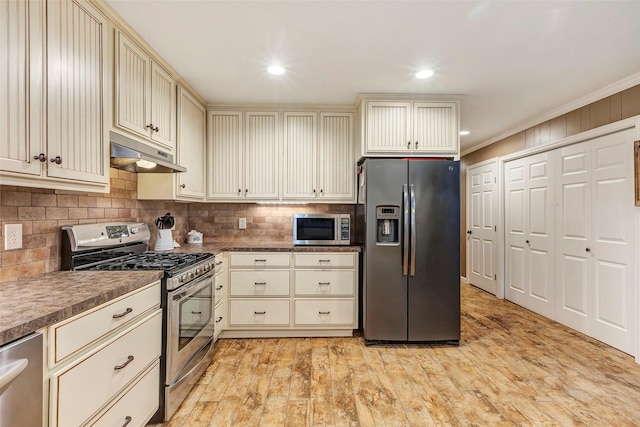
x: 164, y: 242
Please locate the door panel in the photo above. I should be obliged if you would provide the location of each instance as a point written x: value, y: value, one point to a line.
x: 384, y: 286
x: 434, y: 291
x: 482, y: 190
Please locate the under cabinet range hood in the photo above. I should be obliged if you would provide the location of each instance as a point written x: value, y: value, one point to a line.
x: 134, y: 156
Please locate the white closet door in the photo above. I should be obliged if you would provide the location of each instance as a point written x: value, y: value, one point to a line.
x: 483, y: 200
x: 529, y: 221
x: 572, y: 228
x: 613, y: 247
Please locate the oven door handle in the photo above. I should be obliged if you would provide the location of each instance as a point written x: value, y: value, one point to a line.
x: 190, y: 288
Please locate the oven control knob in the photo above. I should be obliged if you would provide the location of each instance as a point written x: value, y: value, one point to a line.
x: 199, y: 271
x: 134, y: 230
x: 182, y: 278
x: 191, y: 275
x: 207, y: 267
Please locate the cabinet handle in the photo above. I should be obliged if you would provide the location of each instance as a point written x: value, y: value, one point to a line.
x: 324, y: 283
x: 260, y: 283
x: 259, y: 260
x: 324, y: 260
x: 246, y: 190
x: 196, y: 312
x: 416, y: 145
x: 259, y: 312
x: 219, y: 287
x: 409, y: 145
x: 314, y: 190
x: 127, y: 420
x: 526, y: 241
x: 40, y: 157
x: 218, y: 262
x: 124, y: 313
x: 468, y: 231
x: 588, y: 249
x: 154, y: 129
x: 183, y: 185
x: 118, y: 367
x: 219, y: 319
x: 324, y: 312
x: 321, y: 191
x: 57, y: 160
x: 239, y: 191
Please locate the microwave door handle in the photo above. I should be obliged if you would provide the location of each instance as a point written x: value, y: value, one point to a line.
x: 405, y: 227
x: 413, y: 231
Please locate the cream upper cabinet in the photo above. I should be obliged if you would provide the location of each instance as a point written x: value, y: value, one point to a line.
x: 319, y: 164
x: 336, y: 165
x: 191, y: 147
x: 300, y: 154
x: 243, y: 156
x: 145, y: 96
x: 22, y: 52
x: 407, y: 126
x: 71, y: 152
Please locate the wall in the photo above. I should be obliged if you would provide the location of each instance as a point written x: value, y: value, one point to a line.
x: 43, y: 212
x: 613, y: 108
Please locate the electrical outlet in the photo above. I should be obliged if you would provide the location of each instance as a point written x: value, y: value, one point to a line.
x: 12, y: 236
x: 242, y: 223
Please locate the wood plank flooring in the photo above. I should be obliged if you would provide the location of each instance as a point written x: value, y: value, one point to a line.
x: 513, y: 367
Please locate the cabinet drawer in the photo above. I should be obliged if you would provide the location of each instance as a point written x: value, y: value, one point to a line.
x: 325, y: 282
x: 259, y: 259
x: 258, y: 312
x: 139, y: 403
x: 324, y: 312
x: 83, y: 389
x: 324, y: 260
x: 221, y: 318
x: 75, y: 333
x: 263, y: 283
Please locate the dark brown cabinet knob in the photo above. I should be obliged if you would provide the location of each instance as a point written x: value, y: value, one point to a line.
x: 57, y: 160
x: 40, y: 157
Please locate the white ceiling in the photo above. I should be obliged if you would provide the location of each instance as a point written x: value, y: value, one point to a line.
x: 512, y: 60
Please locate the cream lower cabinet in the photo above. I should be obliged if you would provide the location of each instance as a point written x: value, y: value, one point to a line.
x: 104, y: 363
x: 292, y: 294
x: 221, y: 308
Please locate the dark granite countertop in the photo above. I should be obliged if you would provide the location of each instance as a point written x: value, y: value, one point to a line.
x: 30, y: 304
x: 217, y: 247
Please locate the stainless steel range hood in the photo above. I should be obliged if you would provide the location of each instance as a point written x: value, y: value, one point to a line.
x: 133, y: 156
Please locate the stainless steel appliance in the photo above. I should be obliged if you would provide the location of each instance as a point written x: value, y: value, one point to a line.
x: 21, y: 382
x: 408, y: 218
x: 321, y: 229
x: 187, y: 298
x: 134, y: 156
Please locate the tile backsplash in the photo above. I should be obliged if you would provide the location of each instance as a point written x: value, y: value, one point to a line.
x: 43, y: 212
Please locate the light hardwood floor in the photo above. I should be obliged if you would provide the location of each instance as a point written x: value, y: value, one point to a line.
x: 513, y: 367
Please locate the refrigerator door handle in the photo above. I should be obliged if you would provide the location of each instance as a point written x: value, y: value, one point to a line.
x: 405, y: 227
x: 413, y: 231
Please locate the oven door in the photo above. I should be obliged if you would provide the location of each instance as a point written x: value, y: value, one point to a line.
x: 190, y: 323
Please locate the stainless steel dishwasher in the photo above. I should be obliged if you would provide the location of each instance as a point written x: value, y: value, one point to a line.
x: 21, y: 382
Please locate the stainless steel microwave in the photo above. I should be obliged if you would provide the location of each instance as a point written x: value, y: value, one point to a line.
x: 321, y: 229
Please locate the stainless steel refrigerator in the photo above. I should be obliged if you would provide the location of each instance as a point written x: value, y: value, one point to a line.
x: 408, y: 216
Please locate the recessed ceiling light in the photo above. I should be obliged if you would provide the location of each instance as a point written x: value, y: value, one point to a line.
x: 424, y: 74
x: 464, y: 132
x: 276, y: 69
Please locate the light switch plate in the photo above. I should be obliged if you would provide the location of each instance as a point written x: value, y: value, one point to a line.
x: 242, y: 223
x: 12, y: 236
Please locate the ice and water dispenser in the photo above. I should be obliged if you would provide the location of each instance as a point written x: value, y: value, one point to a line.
x: 388, y: 225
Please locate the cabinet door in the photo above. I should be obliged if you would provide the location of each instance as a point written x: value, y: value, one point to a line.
x: 77, y: 92
x: 133, y: 87
x: 336, y: 163
x: 191, y: 146
x: 261, y: 153
x: 163, y: 107
x: 388, y: 127
x: 435, y: 128
x: 300, y: 175
x: 225, y: 155
x: 21, y: 62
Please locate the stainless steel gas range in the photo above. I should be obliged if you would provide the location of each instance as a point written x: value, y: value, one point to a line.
x: 187, y: 297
